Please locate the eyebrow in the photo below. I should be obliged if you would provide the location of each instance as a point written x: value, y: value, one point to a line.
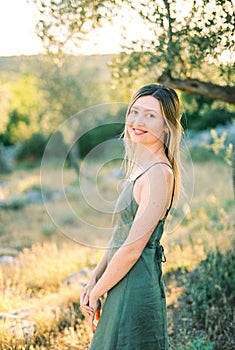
x: 146, y: 110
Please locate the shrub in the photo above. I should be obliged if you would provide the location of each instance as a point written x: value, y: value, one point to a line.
x: 199, y: 344
x: 208, y: 119
x: 48, y: 229
x: 33, y: 148
x: 15, y: 203
x: 204, y: 113
x: 212, y: 297
x: 98, y: 135
x: 202, y: 154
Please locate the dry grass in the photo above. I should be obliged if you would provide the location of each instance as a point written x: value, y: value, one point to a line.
x: 35, y: 280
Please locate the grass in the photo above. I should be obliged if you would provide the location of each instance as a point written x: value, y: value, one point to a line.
x: 46, y: 257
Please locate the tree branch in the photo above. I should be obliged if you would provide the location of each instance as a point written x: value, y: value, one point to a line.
x: 195, y: 86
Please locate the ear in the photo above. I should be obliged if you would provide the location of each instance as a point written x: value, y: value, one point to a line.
x: 166, y: 129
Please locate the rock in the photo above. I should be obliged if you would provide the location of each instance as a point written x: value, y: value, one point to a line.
x: 115, y: 174
x: 118, y: 173
x: 5, y: 315
x: 21, y: 328
x: 24, y: 313
x: 57, y: 195
x: 6, y: 259
x: 79, y: 277
x: 4, y: 167
x: 9, y: 153
x: 20, y: 322
x: 17, y: 314
x: 33, y: 197
x: 17, y: 324
x: 8, y: 255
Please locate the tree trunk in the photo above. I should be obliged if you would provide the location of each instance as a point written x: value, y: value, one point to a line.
x: 74, y: 159
x: 4, y: 167
x: 234, y: 169
x: 195, y: 86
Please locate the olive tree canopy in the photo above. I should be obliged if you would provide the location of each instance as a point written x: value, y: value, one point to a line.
x: 188, y: 44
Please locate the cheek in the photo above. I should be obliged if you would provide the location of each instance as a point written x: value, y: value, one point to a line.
x: 158, y: 126
x: 129, y: 119
x: 127, y: 131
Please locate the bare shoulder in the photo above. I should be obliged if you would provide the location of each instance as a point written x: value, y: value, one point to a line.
x: 157, y: 181
x: 159, y: 174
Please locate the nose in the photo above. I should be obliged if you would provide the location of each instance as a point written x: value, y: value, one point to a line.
x: 139, y: 119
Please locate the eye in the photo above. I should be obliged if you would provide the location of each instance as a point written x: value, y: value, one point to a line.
x: 151, y: 115
x: 133, y: 112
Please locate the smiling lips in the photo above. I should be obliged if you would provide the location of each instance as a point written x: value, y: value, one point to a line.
x: 139, y: 131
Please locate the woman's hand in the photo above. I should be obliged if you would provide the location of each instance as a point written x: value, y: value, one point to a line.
x: 94, y: 309
x: 90, y: 308
x: 92, y: 313
x: 84, y: 297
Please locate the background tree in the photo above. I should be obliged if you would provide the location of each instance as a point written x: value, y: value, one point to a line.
x: 40, y: 95
x: 188, y: 45
x: 24, y: 108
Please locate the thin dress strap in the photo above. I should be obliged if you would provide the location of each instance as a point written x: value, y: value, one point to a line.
x: 150, y: 168
x: 173, y: 190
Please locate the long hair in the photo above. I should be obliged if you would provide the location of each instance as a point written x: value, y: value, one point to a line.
x: 170, y: 107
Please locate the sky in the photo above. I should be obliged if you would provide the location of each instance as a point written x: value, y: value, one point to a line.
x: 18, y: 37
x: 17, y: 25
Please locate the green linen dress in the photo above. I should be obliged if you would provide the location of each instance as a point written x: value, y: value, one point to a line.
x: 134, y: 313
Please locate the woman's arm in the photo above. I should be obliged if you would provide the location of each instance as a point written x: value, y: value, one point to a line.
x: 96, y: 274
x: 100, y: 267
x: 154, y: 195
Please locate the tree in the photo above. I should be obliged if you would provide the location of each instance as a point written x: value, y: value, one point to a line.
x: 234, y: 170
x: 64, y: 23
x: 188, y: 44
x: 23, y: 110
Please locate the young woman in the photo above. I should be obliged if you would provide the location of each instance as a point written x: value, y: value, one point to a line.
x: 134, y: 313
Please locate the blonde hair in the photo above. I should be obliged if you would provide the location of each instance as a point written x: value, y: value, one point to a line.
x: 170, y: 106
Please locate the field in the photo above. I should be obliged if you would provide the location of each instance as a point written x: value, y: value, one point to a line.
x: 39, y: 306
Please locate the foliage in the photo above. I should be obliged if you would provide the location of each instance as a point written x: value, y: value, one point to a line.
x: 212, y: 118
x: 48, y: 230
x: 218, y: 150
x: 41, y: 95
x: 99, y: 135
x: 219, y: 147
x: 5, y: 97
x: 14, y: 204
x: 211, y: 296
x: 182, y: 45
x: 69, y: 87
x: 200, y: 113
x: 25, y: 107
x: 63, y: 24
x: 179, y: 40
x: 175, y: 31
x: 199, y: 344
x: 32, y: 148
x: 201, y: 154
x: 224, y: 150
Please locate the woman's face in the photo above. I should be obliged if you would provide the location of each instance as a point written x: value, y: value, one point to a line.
x: 145, y: 122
